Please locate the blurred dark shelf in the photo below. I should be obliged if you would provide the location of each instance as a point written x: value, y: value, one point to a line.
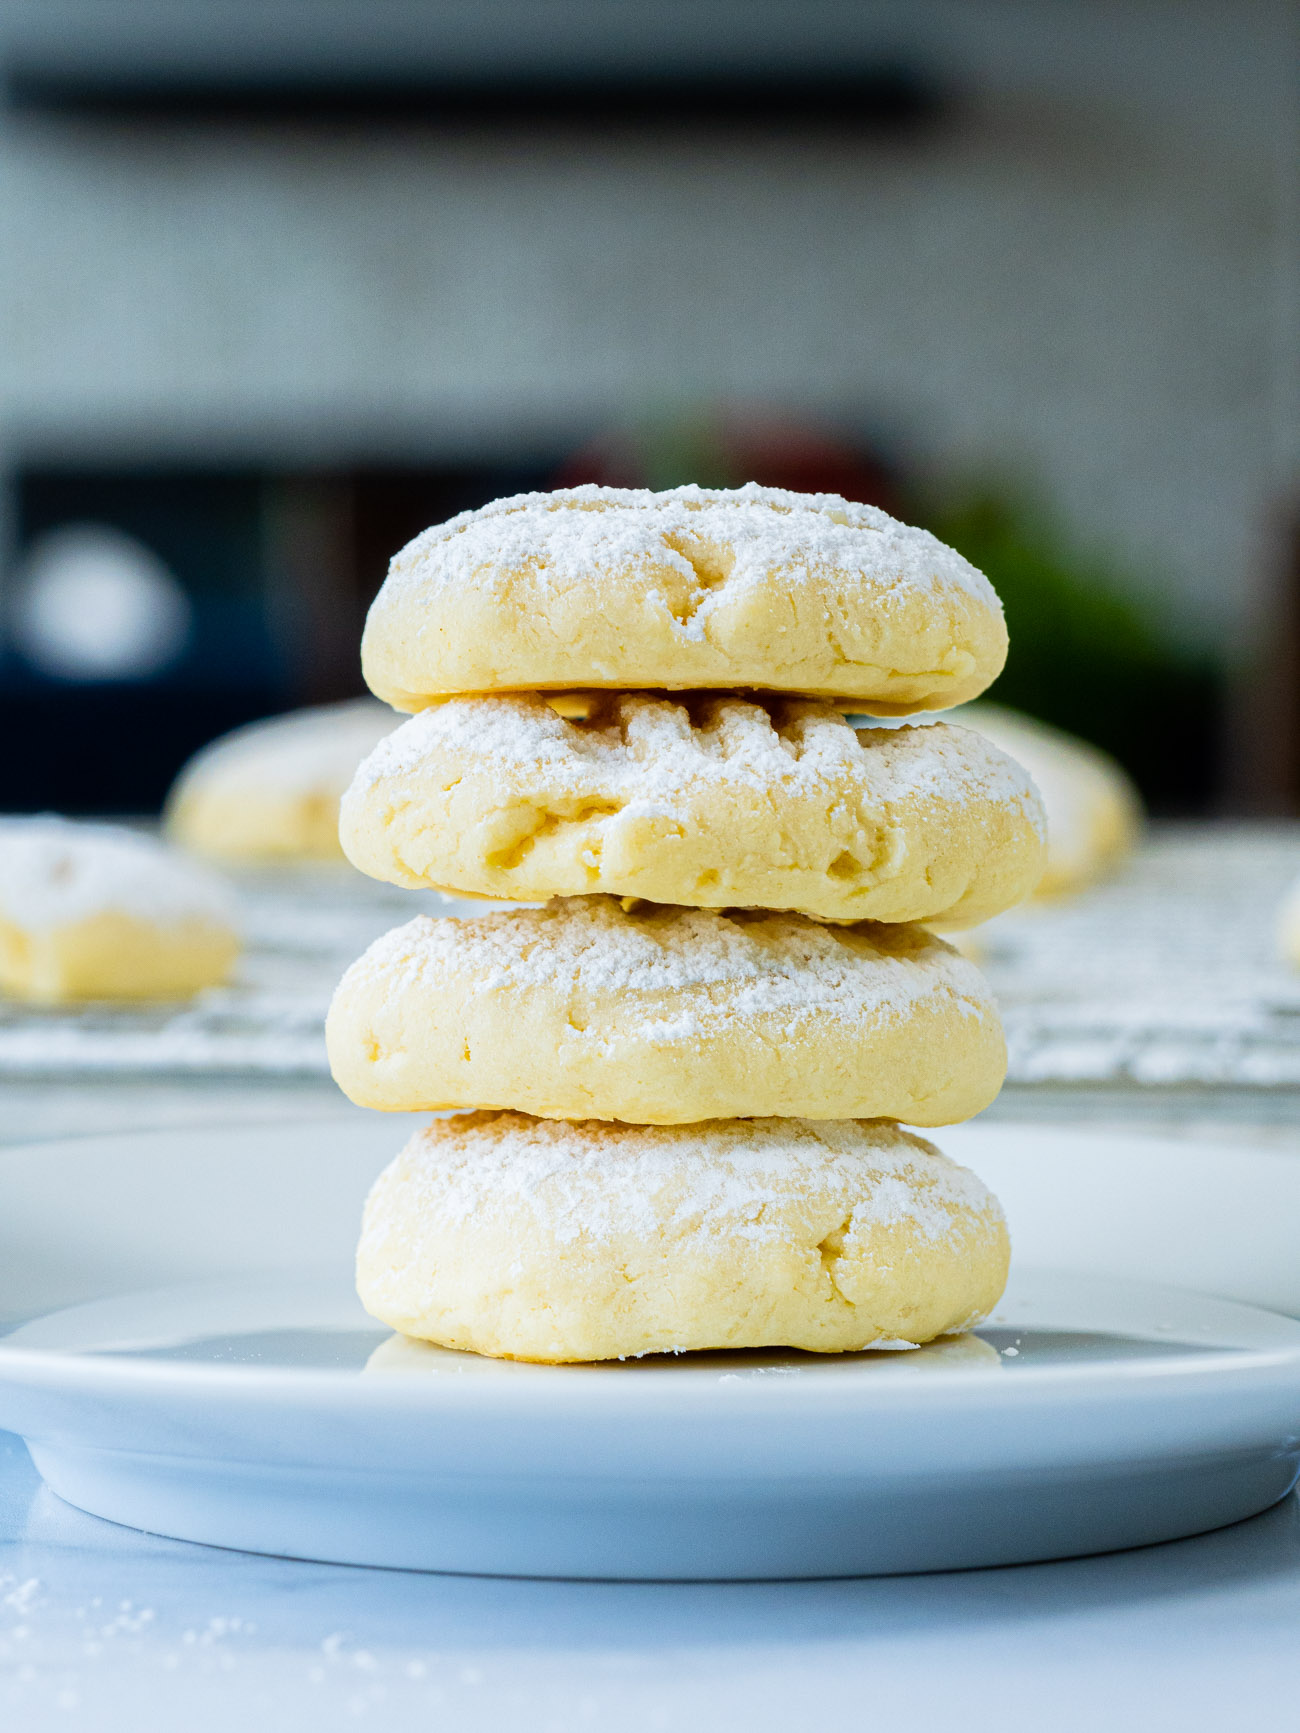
x: 884, y: 99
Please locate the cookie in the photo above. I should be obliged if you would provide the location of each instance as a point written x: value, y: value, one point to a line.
x: 270, y: 792
x: 661, y: 1016
x: 712, y: 803
x: 1288, y: 925
x: 91, y: 911
x: 1094, y: 812
x: 694, y: 588
x: 546, y: 1240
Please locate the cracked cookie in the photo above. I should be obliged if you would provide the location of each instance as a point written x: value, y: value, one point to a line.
x: 534, y: 1239
x: 692, y: 588
x: 711, y: 802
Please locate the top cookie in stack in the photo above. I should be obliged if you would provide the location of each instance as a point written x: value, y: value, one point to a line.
x: 703, y: 642
x: 696, y: 588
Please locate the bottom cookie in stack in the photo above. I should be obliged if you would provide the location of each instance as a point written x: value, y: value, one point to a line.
x: 554, y: 1240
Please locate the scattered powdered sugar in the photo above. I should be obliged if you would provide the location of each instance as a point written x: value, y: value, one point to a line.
x: 701, y: 961
x: 742, y: 535
x: 304, y: 752
x: 54, y: 872
x: 641, y: 751
x: 513, y: 732
x: 741, y: 1178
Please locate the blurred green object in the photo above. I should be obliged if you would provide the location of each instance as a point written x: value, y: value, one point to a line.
x: 1086, y: 657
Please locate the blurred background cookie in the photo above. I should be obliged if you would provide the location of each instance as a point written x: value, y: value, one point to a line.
x: 1094, y: 811
x: 91, y: 911
x: 1288, y: 925
x: 270, y: 792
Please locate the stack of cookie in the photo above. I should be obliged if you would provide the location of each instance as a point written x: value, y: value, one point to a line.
x: 689, y: 1064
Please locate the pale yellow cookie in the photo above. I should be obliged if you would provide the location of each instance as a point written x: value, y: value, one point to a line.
x: 90, y: 911
x: 712, y: 802
x: 1288, y: 925
x: 613, y: 587
x: 270, y: 792
x: 1094, y: 812
x: 661, y: 1015
x: 546, y: 1240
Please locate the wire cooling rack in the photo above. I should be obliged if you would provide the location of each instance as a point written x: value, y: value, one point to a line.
x: 1166, y: 976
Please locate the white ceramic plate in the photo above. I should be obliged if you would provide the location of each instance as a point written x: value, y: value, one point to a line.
x: 188, y: 1357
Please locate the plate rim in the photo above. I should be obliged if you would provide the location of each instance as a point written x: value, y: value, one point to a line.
x: 837, y: 1382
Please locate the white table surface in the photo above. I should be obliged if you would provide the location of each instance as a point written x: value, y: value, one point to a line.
x: 104, y: 1628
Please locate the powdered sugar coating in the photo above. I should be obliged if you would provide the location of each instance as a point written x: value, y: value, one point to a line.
x: 54, y: 873
x: 732, y: 1178
x: 764, y: 963
x: 652, y: 748
x: 579, y: 532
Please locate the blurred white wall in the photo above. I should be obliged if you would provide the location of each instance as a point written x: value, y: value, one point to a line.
x: 1082, y: 281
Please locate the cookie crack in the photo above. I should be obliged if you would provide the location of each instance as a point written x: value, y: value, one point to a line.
x: 712, y: 565
x: 830, y: 1250
x: 546, y: 823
